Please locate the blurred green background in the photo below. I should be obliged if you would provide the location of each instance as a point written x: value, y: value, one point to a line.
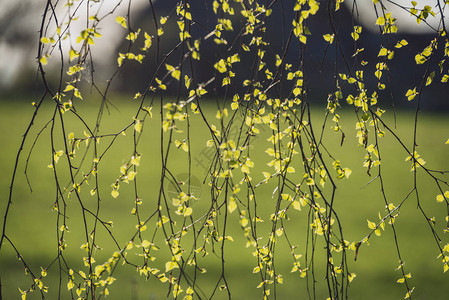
x: 32, y: 223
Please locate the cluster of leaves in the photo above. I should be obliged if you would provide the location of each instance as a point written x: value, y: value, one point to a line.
x: 269, y: 102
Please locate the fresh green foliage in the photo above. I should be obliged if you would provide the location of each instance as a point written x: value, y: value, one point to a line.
x: 272, y: 167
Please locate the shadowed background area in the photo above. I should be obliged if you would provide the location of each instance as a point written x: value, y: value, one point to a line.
x: 19, y: 38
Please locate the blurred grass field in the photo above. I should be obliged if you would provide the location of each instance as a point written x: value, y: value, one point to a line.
x: 32, y: 224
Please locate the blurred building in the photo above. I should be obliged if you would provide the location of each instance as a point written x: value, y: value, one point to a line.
x: 19, y: 42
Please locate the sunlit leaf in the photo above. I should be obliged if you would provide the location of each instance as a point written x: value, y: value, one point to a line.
x: 371, y: 225
x: 121, y: 20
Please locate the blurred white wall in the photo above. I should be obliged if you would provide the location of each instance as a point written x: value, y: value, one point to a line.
x: 365, y: 13
x: 20, y: 22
